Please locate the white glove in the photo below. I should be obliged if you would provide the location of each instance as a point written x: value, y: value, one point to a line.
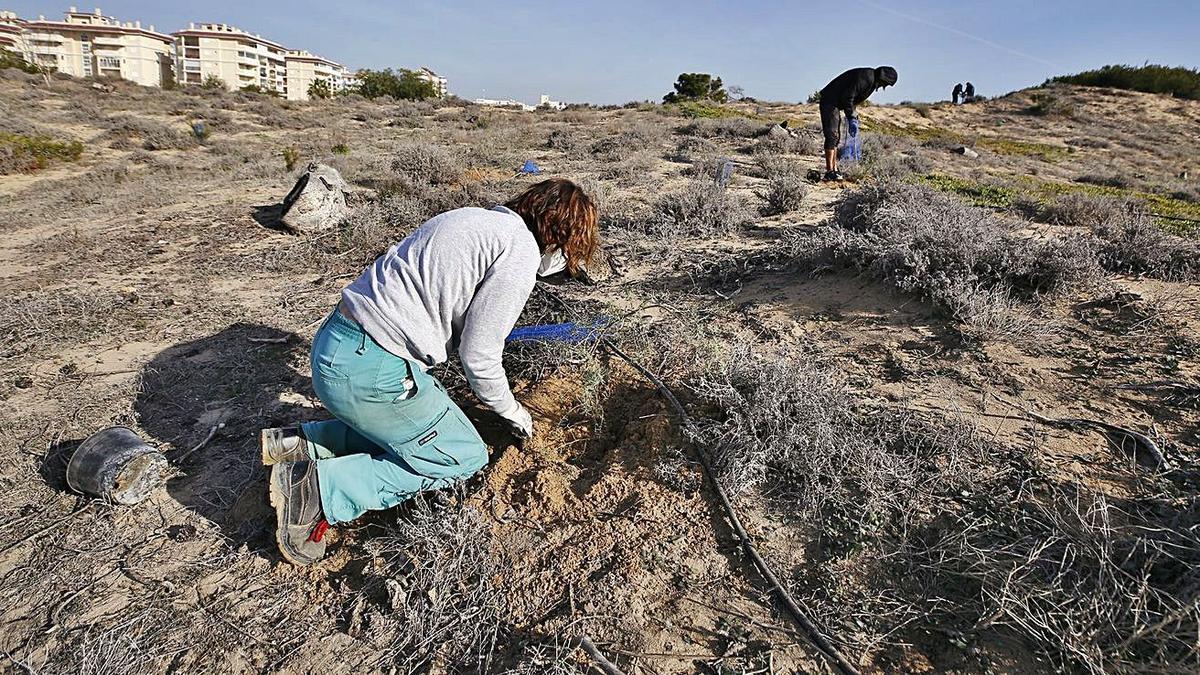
x: 519, y: 420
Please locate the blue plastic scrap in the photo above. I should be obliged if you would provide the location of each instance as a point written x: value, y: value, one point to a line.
x: 556, y: 332
x: 530, y: 167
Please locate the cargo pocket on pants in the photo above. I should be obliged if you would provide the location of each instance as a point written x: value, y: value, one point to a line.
x: 446, y: 449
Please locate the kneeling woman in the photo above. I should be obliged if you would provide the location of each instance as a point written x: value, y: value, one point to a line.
x: 459, y: 282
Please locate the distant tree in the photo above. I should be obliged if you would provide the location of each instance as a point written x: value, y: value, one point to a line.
x: 695, y: 87
x: 814, y: 97
x: 736, y: 91
x: 213, y: 82
x: 404, y: 83
x: 320, y: 89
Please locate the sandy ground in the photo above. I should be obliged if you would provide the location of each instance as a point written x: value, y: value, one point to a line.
x: 143, y: 290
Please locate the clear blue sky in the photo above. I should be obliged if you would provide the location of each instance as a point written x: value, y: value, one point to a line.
x: 622, y: 50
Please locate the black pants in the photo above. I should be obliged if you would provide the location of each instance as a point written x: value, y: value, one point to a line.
x: 831, y: 123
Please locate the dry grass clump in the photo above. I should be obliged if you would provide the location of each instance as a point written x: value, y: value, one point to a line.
x: 442, y: 607
x: 786, y: 185
x: 55, y: 317
x: 426, y: 164
x: 1052, y: 103
x: 126, y: 132
x: 702, y: 208
x: 1089, y: 585
x: 961, y: 257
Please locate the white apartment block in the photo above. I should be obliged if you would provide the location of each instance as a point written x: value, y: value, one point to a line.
x: 304, y: 68
x: 11, y: 34
x: 231, y: 55
x: 440, y: 84
x: 91, y: 44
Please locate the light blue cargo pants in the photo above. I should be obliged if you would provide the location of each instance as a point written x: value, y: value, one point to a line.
x: 397, y: 432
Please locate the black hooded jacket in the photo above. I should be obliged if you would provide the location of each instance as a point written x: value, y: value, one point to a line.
x: 853, y: 87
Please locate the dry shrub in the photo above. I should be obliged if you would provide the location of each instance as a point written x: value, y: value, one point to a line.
x: 1052, y: 103
x: 442, y: 606
x: 569, y: 141
x: 636, y: 167
x: 786, y: 185
x: 925, y: 242
x: 793, y: 422
x: 702, y: 208
x: 126, y: 132
x: 780, y: 141
x: 691, y: 148
x: 637, y: 136
x: 1135, y: 244
x: 887, y: 157
x: 1084, y: 210
x: 725, y: 127
x: 426, y: 164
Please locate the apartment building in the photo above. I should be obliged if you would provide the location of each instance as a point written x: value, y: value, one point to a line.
x: 237, y: 58
x: 90, y: 44
x: 11, y: 33
x: 440, y: 84
x: 305, y: 68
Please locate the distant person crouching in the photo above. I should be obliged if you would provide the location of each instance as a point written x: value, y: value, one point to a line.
x: 845, y: 92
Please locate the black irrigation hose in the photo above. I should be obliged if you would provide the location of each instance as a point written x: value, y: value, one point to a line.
x: 602, y: 662
x: 814, y: 634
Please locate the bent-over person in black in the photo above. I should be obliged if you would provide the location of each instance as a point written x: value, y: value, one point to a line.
x: 845, y: 92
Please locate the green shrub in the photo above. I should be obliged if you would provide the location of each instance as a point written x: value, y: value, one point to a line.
x: 21, y: 153
x: 291, y: 156
x: 9, y: 59
x: 1155, y: 79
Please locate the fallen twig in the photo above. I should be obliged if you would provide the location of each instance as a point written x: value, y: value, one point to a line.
x: 211, y: 432
x: 274, y: 341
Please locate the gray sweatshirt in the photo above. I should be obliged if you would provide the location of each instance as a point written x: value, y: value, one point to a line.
x: 460, y: 280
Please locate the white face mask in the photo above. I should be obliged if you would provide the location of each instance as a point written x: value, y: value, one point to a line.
x: 552, y: 263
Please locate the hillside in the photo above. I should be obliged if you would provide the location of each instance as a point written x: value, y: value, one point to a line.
x: 866, y: 363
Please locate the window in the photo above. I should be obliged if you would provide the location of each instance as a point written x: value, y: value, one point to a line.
x: 191, y: 42
x: 110, y: 62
